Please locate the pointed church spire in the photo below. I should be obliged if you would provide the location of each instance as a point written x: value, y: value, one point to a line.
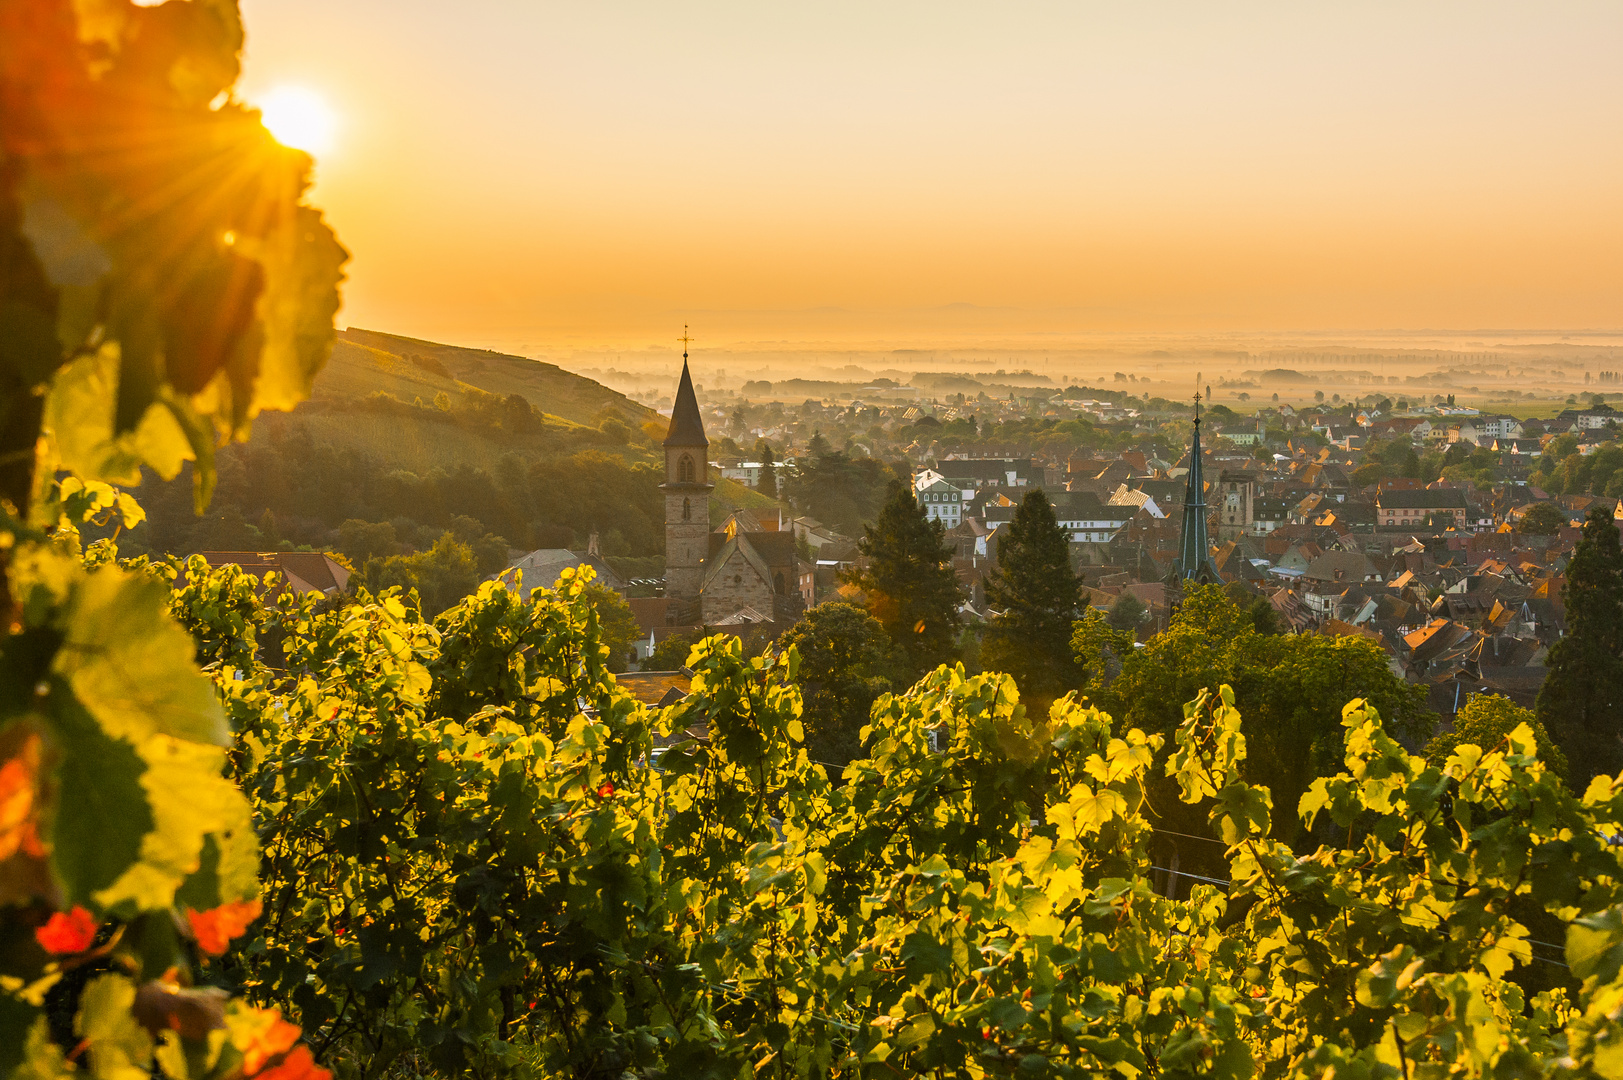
x: 1194, y: 549
x: 687, y: 425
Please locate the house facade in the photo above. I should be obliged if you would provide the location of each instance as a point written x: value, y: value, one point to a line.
x: 942, y: 501
x: 1415, y: 508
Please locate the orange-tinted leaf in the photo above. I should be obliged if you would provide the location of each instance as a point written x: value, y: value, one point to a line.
x: 215, y: 928
x: 262, y: 1036
x: 298, y: 1065
x: 18, y: 784
x: 67, y: 932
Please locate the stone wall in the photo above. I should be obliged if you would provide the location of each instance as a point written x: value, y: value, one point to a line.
x: 736, y: 586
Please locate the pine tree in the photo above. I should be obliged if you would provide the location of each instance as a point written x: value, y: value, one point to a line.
x: 1582, y: 696
x: 909, y: 582
x: 1038, y: 598
x: 768, y: 484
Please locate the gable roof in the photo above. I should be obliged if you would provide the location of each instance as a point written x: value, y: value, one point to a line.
x: 302, y: 571
x: 741, y: 545
x: 1086, y: 506
x: 1336, y: 565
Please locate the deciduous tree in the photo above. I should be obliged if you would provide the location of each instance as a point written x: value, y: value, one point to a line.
x: 1486, y: 721
x: 846, y: 661
x: 1542, y: 519
x: 616, y: 625
x: 671, y: 653
x: 1128, y: 613
x: 1288, y: 684
x: 442, y: 575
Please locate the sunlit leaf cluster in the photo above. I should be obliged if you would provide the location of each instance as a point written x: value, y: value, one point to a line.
x: 161, y: 278
x: 482, y: 857
x: 161, y: 281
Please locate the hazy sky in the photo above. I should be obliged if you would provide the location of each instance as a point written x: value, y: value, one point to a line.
x: 512, y: 170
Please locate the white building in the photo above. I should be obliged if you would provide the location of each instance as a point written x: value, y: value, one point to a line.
x: 747, y: 473
x: 1483, y: 430
x: 942, y: 501
x: 1088, y: 520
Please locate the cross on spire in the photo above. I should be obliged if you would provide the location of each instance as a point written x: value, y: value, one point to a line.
x: 685, y: 340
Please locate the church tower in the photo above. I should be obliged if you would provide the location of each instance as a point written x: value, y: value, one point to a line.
x: 687, y: 493
x: 1194, y: 549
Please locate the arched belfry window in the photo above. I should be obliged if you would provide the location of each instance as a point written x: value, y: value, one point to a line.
x: 684, y: 470
x: 687, y: 505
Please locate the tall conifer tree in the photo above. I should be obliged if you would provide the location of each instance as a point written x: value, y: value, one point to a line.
x: 1581, y: 702
x: 768, y: 484
x: 909, y: 582
x: 1039, y: 599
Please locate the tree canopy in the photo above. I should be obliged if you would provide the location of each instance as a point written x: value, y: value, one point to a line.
x: 1542, y: 519
x: 838, y: 489
x: 1487, y: 721
x: 1288, y: 684
x: 846, y: 661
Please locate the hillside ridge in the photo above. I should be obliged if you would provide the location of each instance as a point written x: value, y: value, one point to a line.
x: 371, y: 361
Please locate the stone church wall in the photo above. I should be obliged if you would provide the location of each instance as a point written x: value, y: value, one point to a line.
x: 736, y: 586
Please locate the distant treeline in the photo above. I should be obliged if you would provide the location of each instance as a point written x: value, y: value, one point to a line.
x: 1046, y: 436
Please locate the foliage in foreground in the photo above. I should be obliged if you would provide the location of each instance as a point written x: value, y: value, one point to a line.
x: 162, y: 281
x: 461, y: 850
x: 477, y: 861
x: 1291, y: 686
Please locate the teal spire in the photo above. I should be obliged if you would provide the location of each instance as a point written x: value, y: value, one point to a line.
x: 1194, y: 549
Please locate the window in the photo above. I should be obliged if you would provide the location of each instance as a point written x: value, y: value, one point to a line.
x: 684, y: 470
x: 687, y: 510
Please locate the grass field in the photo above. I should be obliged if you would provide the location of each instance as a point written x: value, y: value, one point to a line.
x: 367, y: 362
x: 730, y: 495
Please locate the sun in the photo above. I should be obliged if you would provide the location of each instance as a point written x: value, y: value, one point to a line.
x: 299, y: 118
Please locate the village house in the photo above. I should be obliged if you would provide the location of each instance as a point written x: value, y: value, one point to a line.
x: 942, y: 501
x: 1415, y: 508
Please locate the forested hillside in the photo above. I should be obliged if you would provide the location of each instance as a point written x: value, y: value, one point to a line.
x: 419, y: 440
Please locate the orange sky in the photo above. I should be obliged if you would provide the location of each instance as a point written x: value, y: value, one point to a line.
x: 510, y: 170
